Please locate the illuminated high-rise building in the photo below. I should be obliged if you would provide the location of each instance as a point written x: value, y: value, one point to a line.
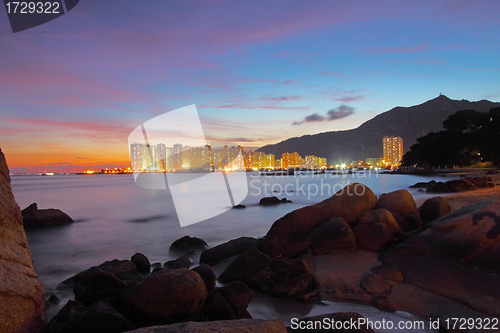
x: 290, y: 160
x: 177, y: 156
x: 393, y: 150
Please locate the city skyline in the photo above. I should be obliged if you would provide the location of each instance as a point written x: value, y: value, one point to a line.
x: 71, y: 90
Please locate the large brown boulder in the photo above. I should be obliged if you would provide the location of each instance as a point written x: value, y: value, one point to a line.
x: 400, y: 202
x: 434, y: 208
x: 287, y: 236
x: 95, y: 284
x: 188, y: 244
x: 373, y: 237
x: 456, y: 256
x: 167, y: 297
x: 39, y: 218
x: 382, y: 216
x: 22, y: 304
x: 222, y: 326
x: 232, y: 248
x: 335, y: 235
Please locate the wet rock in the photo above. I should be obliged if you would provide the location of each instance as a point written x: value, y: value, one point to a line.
x: 216, y: 307
x: 141, y: 262
x: 52, y: 301
x: 100, y: 318
x: 238, y: 295
x: 269, y: 201
x: 459, y: 185
x: 239, y: 206
x: 208, y: 276
x: 39, y: 218
x: 232, y: 248
x: 118, y: 267
x: 170, y: 296
x: 335, y: 235
x: 187, y: 244
x: 22, y: 297
x: 345, y: 318
x: 423, y: 184
x: 382, y: 216
x: 382, y: 303
x: 95, y: 284
x: 434, y: 208
x: 271, y: 275
x: 400, y: 202
x: 181, y: 262
x: 287, y: 236
x: 71, y: 310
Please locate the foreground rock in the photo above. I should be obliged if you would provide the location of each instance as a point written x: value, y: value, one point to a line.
x: 22, y: 304
x: 229, y: 249
x: 287, y: 236
x: 464, y: 247
x: 39, y: 218
x: 225, y: 326
x: 281, y: 276
x: 459, y: 185
x: 167, y: 297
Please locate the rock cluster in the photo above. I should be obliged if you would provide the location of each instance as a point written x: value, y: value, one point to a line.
x: 22, y: 305
x: 459, y: 185
x: 122, y: 295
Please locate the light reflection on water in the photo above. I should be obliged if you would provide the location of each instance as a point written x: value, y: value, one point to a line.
x: 116, y: 218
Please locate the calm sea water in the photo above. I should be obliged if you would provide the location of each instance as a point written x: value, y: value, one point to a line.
x: 115, y: 219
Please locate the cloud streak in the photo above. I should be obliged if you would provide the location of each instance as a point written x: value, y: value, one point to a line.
x: 333, y: 114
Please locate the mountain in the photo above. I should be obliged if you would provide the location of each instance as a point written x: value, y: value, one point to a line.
x: 365, y: 141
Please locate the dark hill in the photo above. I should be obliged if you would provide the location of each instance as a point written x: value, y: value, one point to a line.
x: 365, y: 141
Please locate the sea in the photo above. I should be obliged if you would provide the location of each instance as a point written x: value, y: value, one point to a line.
x: 115, y: 218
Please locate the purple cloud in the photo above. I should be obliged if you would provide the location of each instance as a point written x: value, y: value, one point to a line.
x: 333, y: 114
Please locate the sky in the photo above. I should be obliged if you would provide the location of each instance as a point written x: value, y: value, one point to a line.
x: 259, y: 72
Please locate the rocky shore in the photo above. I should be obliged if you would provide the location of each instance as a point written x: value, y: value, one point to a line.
x: 429, y: 261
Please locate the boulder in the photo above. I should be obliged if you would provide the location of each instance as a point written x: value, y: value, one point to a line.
x: 181, y: 262
x: 492, y: 172
x: 141, y: 262
x: 238, y: 295
x: 343, y: 318
x: 382, y: 216
x: 434, y: 208
x: 22, y: 303
x: 372, y: 237
x: 121, y: 268
x: 414, y: 222
x: 216, y: 307
x: 222, y: 326
x: 274, y: 275
x: 188, y: 244
x: 69, y: 312
x: 208, y: 276
x: 95, y: 284
x: 240, y: 206
x: 423, y: 184
x: 402, y: 222
x: 376, y: 285
x: 99, y: 318
x: 39, y: 218
x: 335, y: 235
x: 459, y: 185
x: 456, y: 256
x: 232, y: 248
x: 287, y: 236
x: 400, y: 202
x: 169, y: 296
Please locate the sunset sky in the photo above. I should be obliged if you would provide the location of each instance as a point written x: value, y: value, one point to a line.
x: 73, y: 89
